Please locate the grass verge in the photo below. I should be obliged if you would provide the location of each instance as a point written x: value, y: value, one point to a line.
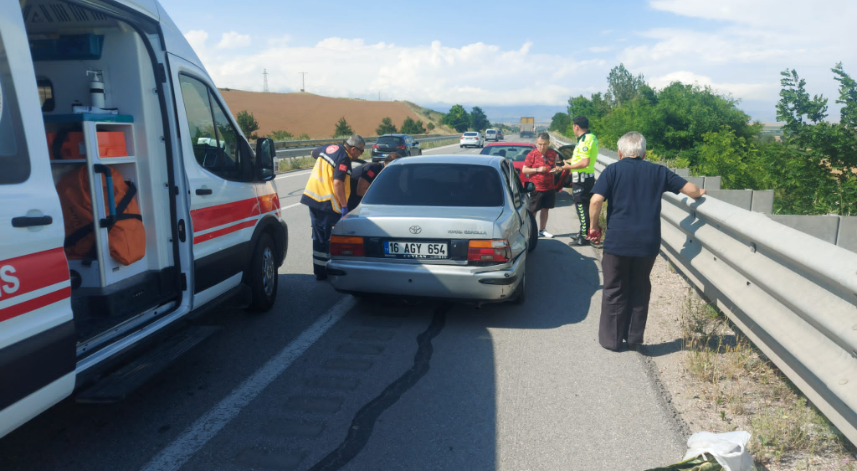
x: 736, y: 384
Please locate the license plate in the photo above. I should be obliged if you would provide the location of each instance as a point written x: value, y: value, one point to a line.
x: 416, y: 249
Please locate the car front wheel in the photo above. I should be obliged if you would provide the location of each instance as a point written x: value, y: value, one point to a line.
x: 262, y: 277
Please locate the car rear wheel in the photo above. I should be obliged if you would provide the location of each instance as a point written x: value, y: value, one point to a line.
x: 262, y: 277
x: 534, y: 234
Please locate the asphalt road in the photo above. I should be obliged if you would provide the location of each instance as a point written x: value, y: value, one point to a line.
x: 326, y: 382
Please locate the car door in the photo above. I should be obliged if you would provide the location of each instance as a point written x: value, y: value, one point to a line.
x: 217, y: 160
x: 522, y: 229
x: 37, y: 335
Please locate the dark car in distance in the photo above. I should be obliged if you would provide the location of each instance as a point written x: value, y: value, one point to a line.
x: 402, y: 144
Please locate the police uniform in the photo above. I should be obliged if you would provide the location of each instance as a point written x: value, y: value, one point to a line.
x: 583, y: 179
x: 332, y: 163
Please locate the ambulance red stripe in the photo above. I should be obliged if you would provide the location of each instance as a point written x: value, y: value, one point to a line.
x: 224, y: 231
x: 35, y: 303
x: 31, y: 272
x: 213, y: 216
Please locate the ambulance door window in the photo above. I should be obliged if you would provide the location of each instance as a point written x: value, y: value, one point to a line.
x: 214, y: 140
x: 14, y: 157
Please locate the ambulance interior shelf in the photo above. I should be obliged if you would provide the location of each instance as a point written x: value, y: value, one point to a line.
x: 103, y: 146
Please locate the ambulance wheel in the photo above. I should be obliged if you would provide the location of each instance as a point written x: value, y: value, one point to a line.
x: 534, y: 233
x: 263, y: 275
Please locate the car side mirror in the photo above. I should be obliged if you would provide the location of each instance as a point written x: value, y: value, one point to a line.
x: 529, y: 187
x: 416, y: 143
x: 265, y: 153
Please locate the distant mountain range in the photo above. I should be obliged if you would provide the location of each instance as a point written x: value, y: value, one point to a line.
x: 507, y: 114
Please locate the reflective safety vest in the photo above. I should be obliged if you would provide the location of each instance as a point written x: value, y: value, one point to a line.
x: 587, y: 147
x: 331, y: 162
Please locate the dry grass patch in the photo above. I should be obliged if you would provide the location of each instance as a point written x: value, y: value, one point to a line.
x: 736, y: 384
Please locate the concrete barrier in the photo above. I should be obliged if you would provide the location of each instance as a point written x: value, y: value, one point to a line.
x: 712, y: 183
x: 825, y: 228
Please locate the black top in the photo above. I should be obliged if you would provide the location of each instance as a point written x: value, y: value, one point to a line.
x: 633, y: 189
x: 367, y: 172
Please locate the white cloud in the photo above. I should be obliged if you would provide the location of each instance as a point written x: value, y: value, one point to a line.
x: 600, y: 49
x: 233, y: 40
x: 279, y: 41
x: 747, y: 91
x: 475, y: 73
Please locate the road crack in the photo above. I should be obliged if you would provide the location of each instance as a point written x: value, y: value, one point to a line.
x: 363, y: 423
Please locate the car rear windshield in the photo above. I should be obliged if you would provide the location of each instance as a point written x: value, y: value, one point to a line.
x: 389, y: 140
x: 469, y: 134
x: 437, y: 185
x: 513, y: 153
x: 490, y: 131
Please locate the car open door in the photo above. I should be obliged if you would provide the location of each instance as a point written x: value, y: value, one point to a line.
x: 37, y: 335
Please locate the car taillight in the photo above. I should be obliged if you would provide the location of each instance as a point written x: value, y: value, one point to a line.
x: 400, y: 147
x: 488, y: 250
x: 348, y: 246
x: 374, y: 146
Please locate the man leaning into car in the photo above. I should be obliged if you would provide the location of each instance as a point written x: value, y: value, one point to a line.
x: 538, y: 166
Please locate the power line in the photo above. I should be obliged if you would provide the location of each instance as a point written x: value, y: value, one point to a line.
x: 265, y: 75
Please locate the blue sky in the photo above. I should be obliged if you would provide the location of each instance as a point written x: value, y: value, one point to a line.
x: 498, y: 54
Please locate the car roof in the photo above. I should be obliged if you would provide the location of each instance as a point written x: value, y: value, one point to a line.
x: 508, y: 144
x: 394, y: 135
x: 452, y: 159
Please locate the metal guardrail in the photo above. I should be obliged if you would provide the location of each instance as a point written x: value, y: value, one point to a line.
x: 320, y: 142
x: 793, y: 295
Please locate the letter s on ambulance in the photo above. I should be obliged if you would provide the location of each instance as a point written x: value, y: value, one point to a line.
x: 10, y: 283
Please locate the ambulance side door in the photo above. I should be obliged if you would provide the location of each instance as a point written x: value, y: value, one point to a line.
x: 37, y: 335
x: 218, y: 165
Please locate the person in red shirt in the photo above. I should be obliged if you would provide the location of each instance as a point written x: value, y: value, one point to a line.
x: 539, y: 167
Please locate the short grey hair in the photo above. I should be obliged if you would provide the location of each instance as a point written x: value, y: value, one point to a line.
x: 356, y: 140
x: 632, y: 144
x: 544, y: 136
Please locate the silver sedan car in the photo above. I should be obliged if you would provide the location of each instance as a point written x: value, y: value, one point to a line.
x: 454, y: 227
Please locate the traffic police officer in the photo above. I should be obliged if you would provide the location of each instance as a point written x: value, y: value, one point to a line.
x: 583, y: 175
x: 327, y: 193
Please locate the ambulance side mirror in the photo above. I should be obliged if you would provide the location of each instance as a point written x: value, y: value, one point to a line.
x: 265, y: 153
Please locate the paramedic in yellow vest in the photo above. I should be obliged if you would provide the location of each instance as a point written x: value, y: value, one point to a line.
x: 327, y: 193
x: 582, y: 166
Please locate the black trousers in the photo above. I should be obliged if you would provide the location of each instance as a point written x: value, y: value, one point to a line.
x: 581, y: 192
x: 322, y: 225
x: 625, y: 299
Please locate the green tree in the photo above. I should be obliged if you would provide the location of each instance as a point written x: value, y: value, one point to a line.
x: 593, y: 108
x: 622, y: 86
x: 430, y: 126
x: 342, y: 128
x: 457, y: 118
x: 560, y: 122
x: 386, y: 127
x: 741, y: 162
x: 248, y: 124
x: 281, y: 136
x: 831, y: 148
x: 478, y: 120
x: 409, y: 126
x: 304, y: 137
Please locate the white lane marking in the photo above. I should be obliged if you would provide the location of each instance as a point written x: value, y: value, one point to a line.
x: 206, y: 427
x: 290, y: 206
x: 439, y: 148
x: 290, y: 175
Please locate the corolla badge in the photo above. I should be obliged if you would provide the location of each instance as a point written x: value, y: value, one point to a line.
x: 415, y: 229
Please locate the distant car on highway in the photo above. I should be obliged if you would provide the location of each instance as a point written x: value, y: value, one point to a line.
x: 514, y: 151
x: 471, y: 139
x: 402, y: 144
x: 451, y: 227
x: 491, y: 135
x: 500, y: 135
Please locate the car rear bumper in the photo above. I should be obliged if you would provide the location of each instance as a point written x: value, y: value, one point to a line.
x: 470, y: 283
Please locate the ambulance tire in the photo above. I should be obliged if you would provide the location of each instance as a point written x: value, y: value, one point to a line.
x: 534, y: 233
x: 262, y: 278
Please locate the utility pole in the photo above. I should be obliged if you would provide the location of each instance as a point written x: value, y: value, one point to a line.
x: 379, y: 95
x: 303, y: 80
x: 265, y: 75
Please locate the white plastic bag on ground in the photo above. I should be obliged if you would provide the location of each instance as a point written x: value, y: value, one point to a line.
x: 729, y: 449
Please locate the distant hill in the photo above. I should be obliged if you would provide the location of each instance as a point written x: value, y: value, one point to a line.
x: 316, y: 115
x: 512, y: 113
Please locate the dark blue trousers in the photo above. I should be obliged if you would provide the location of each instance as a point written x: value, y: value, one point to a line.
x: 322, y: 225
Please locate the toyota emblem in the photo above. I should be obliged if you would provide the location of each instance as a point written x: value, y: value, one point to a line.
x: 415, y: 229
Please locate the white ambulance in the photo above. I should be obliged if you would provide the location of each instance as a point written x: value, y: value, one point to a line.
x: 128, y: 199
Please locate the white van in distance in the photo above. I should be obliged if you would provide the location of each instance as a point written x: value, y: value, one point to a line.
x: 128, y: 199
